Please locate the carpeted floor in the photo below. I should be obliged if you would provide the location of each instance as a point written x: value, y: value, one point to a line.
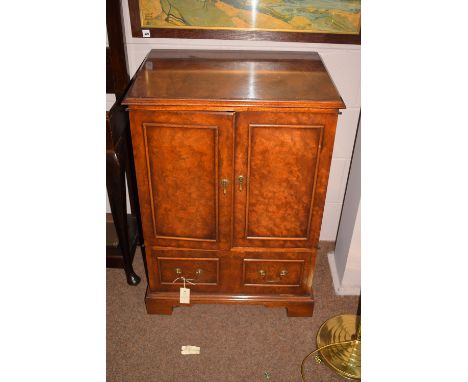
x: 238, y: 343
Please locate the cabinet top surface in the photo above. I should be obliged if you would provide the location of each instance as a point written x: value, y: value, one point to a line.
x: 233, y: 78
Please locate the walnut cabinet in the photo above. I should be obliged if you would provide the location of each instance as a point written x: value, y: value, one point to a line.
x: 232, y: 153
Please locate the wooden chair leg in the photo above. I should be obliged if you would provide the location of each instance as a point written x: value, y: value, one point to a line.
x: 115, y: 180
x: 133, y: 194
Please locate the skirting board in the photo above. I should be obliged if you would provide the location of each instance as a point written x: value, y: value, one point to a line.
x: 347, y: 290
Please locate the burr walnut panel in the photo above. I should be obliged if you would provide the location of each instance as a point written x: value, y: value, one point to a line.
x: 282, y: 162
x: 183, y: 175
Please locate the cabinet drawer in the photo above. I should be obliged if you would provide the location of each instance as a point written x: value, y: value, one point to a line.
x: 200, y: 271
x: 272, y: 272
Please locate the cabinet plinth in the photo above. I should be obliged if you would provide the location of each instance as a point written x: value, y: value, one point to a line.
x: 232, y: 152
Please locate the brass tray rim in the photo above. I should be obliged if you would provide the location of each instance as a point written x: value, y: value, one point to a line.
x: 340, y: 372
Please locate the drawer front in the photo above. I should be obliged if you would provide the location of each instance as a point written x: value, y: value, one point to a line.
x: 199, y: 271
x: 272, y: 273
x: 238, y: 272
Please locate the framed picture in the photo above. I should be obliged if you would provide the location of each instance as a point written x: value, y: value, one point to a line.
x: 323, y: 21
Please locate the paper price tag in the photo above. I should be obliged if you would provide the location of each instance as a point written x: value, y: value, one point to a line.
x: 184, y: 295
x: 190, y: 350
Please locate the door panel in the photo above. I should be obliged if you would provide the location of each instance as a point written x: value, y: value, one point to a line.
x: 279, y: 156
x: 281, y: 168
x: 181, y: 158
x: 183, y: 172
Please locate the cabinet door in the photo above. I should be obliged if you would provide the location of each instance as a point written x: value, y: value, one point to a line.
x: 284, y: 159
x: 181, y: 160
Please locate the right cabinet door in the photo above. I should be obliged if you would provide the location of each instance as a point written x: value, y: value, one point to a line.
x: 282, y: 162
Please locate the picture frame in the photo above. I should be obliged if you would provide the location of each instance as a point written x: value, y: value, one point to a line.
x: 220, y: 33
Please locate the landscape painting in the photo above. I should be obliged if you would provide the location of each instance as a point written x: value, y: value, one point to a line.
x: 313, y: 16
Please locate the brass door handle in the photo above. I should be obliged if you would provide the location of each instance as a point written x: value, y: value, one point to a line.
x: 224, y: 184
x: 241, y: 179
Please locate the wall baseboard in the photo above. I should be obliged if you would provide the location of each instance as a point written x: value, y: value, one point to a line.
x: 341, y: 290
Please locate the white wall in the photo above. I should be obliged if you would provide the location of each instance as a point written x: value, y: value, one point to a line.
x: 345, y: 261
x: 342, y: 61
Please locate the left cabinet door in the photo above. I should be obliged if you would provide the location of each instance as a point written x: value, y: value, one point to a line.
x: 184, y: 164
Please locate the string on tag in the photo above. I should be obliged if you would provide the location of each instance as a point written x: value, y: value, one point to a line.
x: 189, y: 281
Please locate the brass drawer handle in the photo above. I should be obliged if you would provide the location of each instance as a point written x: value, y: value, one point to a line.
x: 282, y: 274
x: 198, y: 272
